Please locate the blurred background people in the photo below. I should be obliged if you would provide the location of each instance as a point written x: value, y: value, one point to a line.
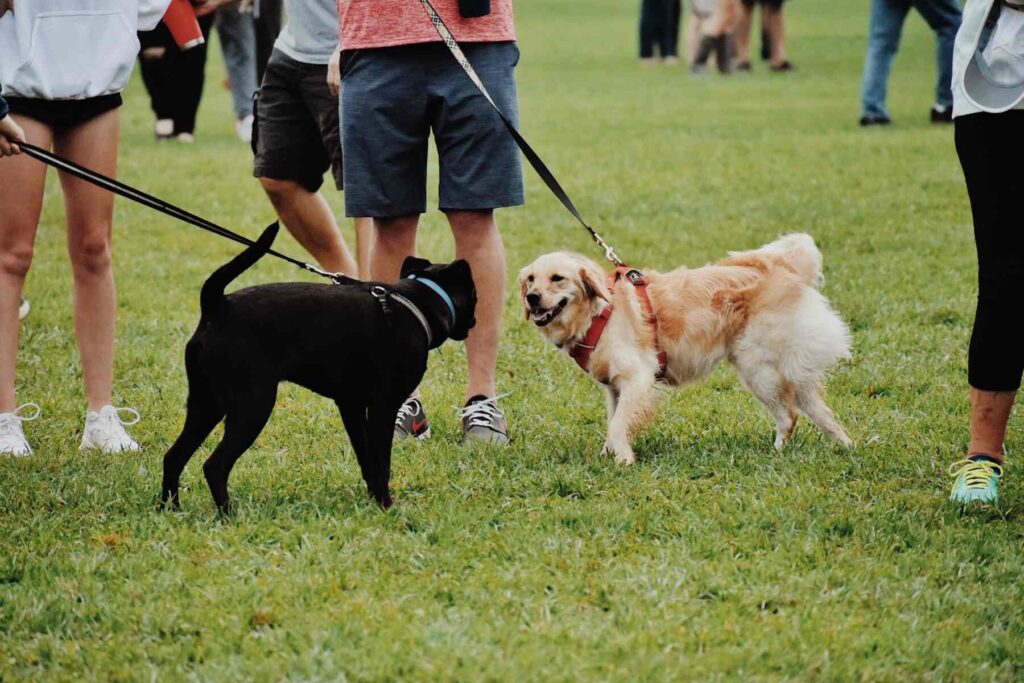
x: 774, y: 26
x: 710, y: 32
x: 659, y: 30
x: 887, y: 17
x: 237, y: 32
x: 267, y: 15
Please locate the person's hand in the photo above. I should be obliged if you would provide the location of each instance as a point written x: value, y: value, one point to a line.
x: 205, y: 7
x: 6, y: 6
x: 334, y: 72
x: 10, y: 133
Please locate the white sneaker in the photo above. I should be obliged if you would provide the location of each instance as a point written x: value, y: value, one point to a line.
x: 243, y: 128
x: 164, y: 129
x: 104, y: 430
x: 24, y: 309
x: 12, y: 438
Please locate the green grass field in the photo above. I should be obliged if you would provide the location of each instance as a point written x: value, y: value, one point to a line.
x: 714, y: 557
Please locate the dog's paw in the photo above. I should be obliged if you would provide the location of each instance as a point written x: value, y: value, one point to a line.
x: 627, y: 459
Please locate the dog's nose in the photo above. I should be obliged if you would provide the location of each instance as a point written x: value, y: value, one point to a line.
x: 533, y: 298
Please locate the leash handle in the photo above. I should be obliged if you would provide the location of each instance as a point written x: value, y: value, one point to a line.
x: 157, y: 204
x: 538, y: 164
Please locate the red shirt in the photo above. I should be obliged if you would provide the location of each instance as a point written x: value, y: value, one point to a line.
x: 386, y: 23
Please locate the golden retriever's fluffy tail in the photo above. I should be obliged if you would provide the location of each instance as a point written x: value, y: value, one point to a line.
x: 798, y: 251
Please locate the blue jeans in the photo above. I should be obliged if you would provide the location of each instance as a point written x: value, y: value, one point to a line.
x: 887, y: 17
x: 237, y: 34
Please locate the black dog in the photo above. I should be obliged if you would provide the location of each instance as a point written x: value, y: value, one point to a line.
x: 364, y: 345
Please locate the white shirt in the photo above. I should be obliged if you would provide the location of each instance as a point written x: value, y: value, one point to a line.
x: 971, y: 34
x: 72, y: 49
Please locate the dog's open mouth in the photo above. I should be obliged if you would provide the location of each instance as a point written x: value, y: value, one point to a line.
x: 544, y: 316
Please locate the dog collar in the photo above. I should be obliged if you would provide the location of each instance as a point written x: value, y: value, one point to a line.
x: 439, y: 291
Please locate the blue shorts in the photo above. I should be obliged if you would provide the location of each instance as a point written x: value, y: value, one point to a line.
x: 393, y: 97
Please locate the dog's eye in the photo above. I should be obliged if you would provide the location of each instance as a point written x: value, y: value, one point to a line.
x: 557, y: 278
x: 529, y: 278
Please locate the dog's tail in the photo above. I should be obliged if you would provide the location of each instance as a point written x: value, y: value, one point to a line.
x: 801, y: 254
x: 213, y: 289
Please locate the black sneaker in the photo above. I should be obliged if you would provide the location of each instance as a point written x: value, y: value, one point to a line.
x: 412, y: 421
x: 874, y: 120
x: 483, y: 422
x: 942, y: 114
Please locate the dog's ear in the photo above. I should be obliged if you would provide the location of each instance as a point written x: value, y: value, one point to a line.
x: 413, y: 265
x: 593, y: 285
x: 522, y: 292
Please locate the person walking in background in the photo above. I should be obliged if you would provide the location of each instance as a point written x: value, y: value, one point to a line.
x: 267, y: 17
x: 297, y: 137
x: 174, y: 77
x: 988, y: 110
x: 399, y: 82
x: 659, y: 30
x: 65, y: 94
x: 237, y: 32
x: 774, y: 23
x: 887, y: 18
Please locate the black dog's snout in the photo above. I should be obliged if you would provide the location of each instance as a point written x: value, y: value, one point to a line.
x: 533, y: 298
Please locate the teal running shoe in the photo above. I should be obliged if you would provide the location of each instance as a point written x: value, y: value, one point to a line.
x: 976, y: 480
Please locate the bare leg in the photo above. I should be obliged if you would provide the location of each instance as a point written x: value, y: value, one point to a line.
x: 310, y: 221
x: 478, y: 241
x: 21, y: 195
x: 776, y: 33
x: 364, y: 245
x: 90, y: 218
x: 393, y: 240
x: 990, y: 413
x: 743, y: 33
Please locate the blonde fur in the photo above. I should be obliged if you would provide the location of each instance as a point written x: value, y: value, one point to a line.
x: 759, y: 309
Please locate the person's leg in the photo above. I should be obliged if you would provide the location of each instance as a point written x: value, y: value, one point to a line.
x: 743, y: 34
x: 944, y: 18
x: 478, y: 241
x: 648, y: 28
x: 887, y: 18
x: 364, y: 245
x: 310, y: 221
x: 190, y: 76
x: 394, y: 239
x: 985, y: 144
x: 158, y: 53
x: 90, y: 215
x: 675, y: 15
x: 776, y: 33
x: 237, y: 34
x: 268, y: 27
x: 22, y: 181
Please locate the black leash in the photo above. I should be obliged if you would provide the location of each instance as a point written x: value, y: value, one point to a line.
x: 157, y: 204
x: 538, y: 164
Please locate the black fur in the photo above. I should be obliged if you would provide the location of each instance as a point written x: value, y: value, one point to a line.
x: 335, y: 340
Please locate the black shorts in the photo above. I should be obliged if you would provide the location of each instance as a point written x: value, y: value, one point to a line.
x: 295, y: 135
x: 769, y: 3
x: 64, y: 113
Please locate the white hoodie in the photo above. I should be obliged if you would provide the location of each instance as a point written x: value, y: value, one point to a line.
x: 72, y: 49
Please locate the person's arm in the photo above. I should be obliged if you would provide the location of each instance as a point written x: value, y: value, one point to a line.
x: 10, y: 132
x: 334, y: 72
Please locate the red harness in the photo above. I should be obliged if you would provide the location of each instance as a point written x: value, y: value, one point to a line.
x: 582, y: 351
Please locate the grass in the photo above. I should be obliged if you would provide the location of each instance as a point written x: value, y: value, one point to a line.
x: 713, y: 558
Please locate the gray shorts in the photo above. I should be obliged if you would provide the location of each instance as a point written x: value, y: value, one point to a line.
x: 392, y: 98
x: 295, y: 135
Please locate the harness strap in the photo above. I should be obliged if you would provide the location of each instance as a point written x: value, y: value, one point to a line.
x: 582, y: 351
x: 416, y: 313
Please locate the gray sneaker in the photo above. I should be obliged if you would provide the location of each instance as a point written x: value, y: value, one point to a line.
x: 412, y: 421
x: 483, y: 422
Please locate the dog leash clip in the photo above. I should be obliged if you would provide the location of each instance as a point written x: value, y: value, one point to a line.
x: 381, y: 295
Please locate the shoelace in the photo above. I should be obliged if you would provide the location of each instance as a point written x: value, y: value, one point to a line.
x: 8, y: 421
x: 409, y: 409
x: 976, y: 474
x: 482, y: 413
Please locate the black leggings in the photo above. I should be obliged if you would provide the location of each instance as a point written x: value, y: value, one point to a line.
x: 991, y: 147
x: 659, y: 26
x: 175, y: 80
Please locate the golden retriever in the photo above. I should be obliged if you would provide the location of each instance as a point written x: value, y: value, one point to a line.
x: 760, y: 309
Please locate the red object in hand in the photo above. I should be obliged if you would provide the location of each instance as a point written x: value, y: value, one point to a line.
x: 181, y: 20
